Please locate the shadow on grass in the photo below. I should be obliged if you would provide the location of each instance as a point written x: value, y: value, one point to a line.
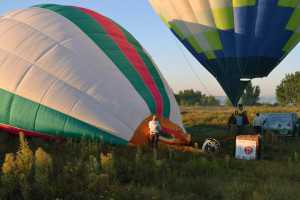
x: 203, y: 131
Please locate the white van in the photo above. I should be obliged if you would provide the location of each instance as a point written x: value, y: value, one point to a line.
x: 281, y: 123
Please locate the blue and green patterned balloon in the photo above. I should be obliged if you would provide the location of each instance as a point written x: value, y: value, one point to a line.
x: 234, y: 39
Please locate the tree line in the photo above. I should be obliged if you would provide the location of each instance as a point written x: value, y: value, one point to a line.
x: 287, y: 93
x: 195, y: 98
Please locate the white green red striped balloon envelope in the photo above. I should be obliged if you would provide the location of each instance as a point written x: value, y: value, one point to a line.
x: 70, y: 72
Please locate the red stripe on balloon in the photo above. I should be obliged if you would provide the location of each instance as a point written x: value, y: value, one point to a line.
x: 16, y: 131
x: 131, y: 54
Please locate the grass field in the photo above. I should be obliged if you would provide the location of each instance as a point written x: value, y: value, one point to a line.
x: 85, y: 170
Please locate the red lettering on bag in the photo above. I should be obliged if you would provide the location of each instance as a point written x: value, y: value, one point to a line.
x: 248, y: 150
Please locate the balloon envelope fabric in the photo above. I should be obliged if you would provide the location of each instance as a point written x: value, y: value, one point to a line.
x: 70, y: 72
x: 234, y: 39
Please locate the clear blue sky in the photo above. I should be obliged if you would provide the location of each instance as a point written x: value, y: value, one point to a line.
x: 139, y: 19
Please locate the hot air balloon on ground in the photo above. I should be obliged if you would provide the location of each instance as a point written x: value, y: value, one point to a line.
x: 235, y: 40
x: 70, y: 72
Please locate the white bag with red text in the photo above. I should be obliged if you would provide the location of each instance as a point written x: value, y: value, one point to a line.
x: 246, y: 149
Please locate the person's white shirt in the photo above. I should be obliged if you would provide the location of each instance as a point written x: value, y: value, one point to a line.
x: 258, y: 121
x: 154, y: 127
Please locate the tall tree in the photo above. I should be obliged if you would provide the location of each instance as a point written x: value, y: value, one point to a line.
x: 288, y: 92
x: 251, y: 95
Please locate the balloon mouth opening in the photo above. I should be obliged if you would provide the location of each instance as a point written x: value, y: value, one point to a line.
x: 245, y: 79
x: 170, y: 134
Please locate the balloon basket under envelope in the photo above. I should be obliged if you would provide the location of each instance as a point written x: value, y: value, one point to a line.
x: 247, y: 147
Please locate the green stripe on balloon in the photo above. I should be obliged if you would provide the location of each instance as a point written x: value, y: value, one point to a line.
x: 213, y: 39
x: 243, y: 3
x: 210, y: 55
x: 116, y: 34
x: 154, y: 73
x: 177, y: 30
x: 288, y: 3
x: 99, y: 36
x: 223, y: 18
x: 293, y: 23
x: 292, y: 42
x: 31, y: 116
x: 194, y: 43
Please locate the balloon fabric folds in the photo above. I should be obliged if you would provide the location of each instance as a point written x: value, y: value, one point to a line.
x: 234, y: 39
x: 69, y: 72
